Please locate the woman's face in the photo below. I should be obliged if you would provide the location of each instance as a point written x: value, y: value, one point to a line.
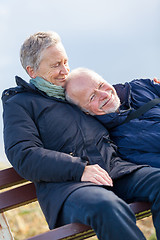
x: 53, y: 66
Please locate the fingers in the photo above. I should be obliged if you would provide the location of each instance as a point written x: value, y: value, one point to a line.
x: 102, y: 180
x: 97, y: 175
x: 102, y: 176
x: 156, y: 80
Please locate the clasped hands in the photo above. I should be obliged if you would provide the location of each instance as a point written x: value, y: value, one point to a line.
x: 97, y: 175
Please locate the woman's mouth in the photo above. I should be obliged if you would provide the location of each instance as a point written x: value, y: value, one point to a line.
x: 62, y: 79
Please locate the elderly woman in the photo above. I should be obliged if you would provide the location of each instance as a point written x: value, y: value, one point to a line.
x: 68, y: 154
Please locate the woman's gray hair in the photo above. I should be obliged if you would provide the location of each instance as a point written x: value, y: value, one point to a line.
x: 32, y: 48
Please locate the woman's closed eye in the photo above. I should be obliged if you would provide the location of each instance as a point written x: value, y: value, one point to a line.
x: 55, y: 65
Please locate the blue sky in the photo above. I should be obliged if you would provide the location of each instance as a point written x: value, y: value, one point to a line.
x: 120, y: 39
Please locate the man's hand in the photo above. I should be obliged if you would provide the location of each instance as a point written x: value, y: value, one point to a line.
x: 156, y: 80
x: 97, y: 175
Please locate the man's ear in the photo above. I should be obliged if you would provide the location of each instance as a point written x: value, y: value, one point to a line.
x: 31, y: 72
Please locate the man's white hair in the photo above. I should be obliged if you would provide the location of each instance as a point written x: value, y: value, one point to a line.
x: 70, y: 100
x: 81, y: 70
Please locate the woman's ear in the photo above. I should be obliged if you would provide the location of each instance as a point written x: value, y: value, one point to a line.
x: 31, y: 72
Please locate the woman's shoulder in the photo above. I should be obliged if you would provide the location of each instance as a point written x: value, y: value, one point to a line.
x: 16, y: 94
x: 22, y: 92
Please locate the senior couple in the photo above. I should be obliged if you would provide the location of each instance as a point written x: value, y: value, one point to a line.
x: 67, y: 153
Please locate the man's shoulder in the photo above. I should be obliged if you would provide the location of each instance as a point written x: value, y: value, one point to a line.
x: 143, y: 85
x: 141, y: 81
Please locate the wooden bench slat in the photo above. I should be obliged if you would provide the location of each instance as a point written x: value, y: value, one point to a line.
x: 9, y: 177
x: 17, y: 197
x: 140, y: 206
x: 69, y: 231
x: 141, y: 209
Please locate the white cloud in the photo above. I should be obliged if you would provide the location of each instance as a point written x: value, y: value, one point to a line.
x: 4, y: 10
x: 115, y: 18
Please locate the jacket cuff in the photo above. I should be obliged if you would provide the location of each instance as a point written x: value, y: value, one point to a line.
x: 80, y: 170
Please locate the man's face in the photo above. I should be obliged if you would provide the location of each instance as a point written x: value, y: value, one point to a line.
x: 54, y: 65
x: 93, y: 94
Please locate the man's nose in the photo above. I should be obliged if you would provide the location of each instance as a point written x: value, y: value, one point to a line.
x: 102, y: 94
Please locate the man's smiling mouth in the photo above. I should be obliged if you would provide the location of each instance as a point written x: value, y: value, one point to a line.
x: 105, y: 102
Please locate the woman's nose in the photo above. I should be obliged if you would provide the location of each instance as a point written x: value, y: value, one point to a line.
x: 65, y: 70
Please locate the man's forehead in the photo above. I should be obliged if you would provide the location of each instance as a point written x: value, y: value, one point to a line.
x: 96, y: 81
x: 90, y: 87
x: 93, y: 80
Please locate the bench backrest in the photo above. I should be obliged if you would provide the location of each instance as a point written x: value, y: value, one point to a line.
x: 26, y: 193
x: 17, y: 196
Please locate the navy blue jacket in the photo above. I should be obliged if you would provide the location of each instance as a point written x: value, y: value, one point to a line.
x: 138, y: 141
x: 50, y: 141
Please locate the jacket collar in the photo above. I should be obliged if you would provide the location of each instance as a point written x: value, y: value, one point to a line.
x: 124, y: 94
x: 23, y: 86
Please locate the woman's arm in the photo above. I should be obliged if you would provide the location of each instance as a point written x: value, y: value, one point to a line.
x: 27, y: 154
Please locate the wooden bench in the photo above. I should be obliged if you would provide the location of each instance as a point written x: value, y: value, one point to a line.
x: 23, y: 194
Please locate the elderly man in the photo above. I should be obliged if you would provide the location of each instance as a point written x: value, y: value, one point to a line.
x: 138, y: 139
x: 68, y: 154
